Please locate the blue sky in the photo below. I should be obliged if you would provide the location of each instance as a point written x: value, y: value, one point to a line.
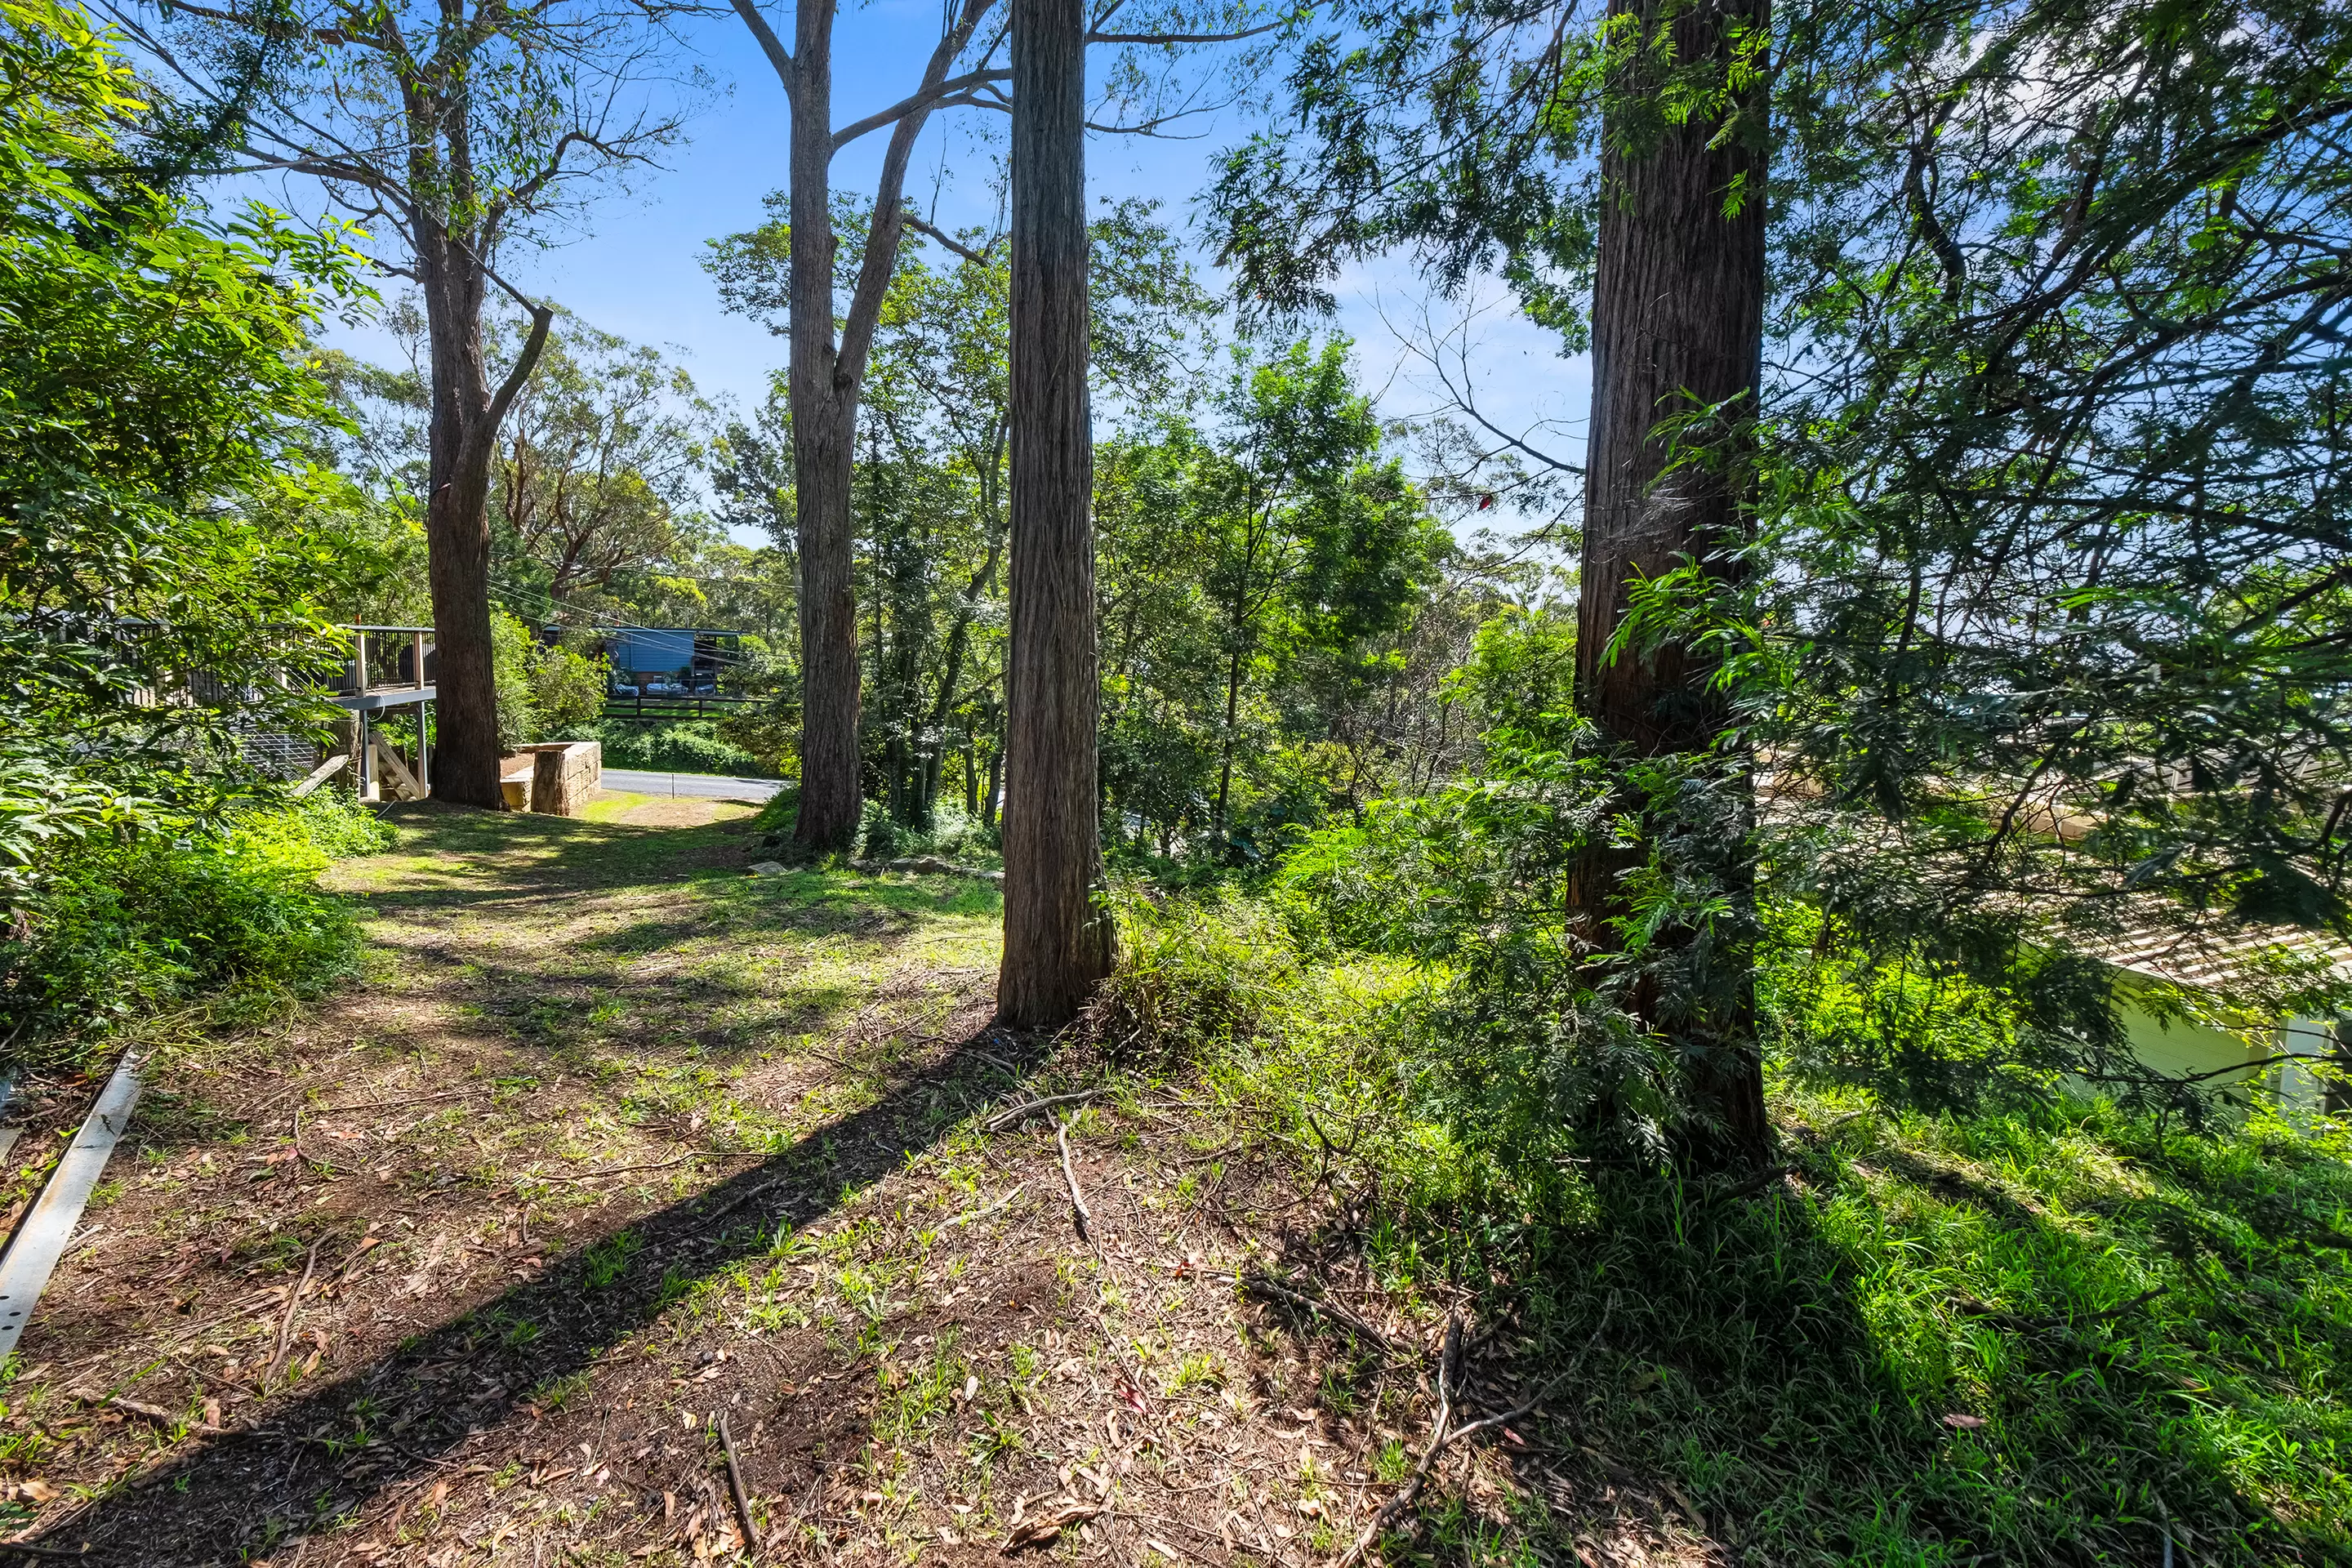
x: 633, y: 266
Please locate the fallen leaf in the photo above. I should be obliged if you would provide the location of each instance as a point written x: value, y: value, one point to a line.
x: 1161, y: 1547
x: 1045, y: 1526
x: 1959, y: 1422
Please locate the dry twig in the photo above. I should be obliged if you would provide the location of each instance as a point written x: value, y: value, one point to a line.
x: 973, y: 1216
x: 655, y: 1165
x: 1021, y: 1112
x: 286, y: 1323
x: 1069, y: 1173
x: 1448, y: 1357
x: 397, y: 1104
x: 1264, y: 1285
x: 735, y: 1485
x: 165, y: 1419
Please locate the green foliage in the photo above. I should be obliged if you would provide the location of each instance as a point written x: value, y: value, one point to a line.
x: 1258, y: 575
x: 1519, y: 676
x: 567, y: 685
x: 514, y: 654
x: 2026, y: 1335
x: 544, y: 688
x: 2043, y: 636
x: 1530, y: 1024
x: 152, y: 367
x: 223, y: 912
x: 690, y: 746
x: 2053, y: 611
x: 951, y: 835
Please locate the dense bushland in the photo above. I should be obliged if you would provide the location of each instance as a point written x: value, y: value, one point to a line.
x: 2052, y: 1330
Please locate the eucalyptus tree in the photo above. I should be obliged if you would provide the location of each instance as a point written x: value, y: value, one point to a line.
x: 1057, y: 931
x: 452, y: 134
x: 831, y: 339
x: 1309, y: 536
x: 2041, y: 619
x: 939, y: 399
x: 1260, y: 566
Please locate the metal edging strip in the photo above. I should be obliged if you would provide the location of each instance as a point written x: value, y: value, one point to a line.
x: 40, y: 1240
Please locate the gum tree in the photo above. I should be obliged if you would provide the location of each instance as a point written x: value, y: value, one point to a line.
x: 831, y: 339
x: 451, y: 134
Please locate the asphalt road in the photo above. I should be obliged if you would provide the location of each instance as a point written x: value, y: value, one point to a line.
x: 714, y: 785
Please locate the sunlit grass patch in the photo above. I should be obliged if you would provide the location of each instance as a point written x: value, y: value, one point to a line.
x: 611, y: 805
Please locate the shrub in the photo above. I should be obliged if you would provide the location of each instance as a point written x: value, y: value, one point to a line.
x: 119, y: 928
x: 952, y: 836
x: 690, y: 746
x: 543, y: 688
x: 511, y: 648
x: 1959, y: 1333
x: 567, y: 687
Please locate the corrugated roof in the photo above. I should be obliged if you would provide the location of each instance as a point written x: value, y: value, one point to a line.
x: 2212, y: 955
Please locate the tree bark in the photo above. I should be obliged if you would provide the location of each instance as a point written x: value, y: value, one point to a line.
x: 1678, y: 325
x: 1057, y: 936
x: 824, y: 379
x: 825, y: 439
x: 461, y: 444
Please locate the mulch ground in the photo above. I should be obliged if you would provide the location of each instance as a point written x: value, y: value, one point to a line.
x: 616, y: 1164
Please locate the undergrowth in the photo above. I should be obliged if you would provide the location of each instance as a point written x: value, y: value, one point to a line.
x: 226, y: 913
x: 2046, y: 1333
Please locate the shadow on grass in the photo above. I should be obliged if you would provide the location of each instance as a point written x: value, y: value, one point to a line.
x: 326, y: 1452
x: 538, y: 857
x: 1813, y: 1377
x: 661, y: 922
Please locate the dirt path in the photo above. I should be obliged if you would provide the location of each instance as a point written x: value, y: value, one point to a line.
x: 616, y: 1148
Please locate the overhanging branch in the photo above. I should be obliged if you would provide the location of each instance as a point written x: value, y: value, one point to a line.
x: 932, y: 231
x: 928, y: 98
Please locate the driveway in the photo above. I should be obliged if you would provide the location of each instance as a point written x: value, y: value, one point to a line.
x: 637, y: 781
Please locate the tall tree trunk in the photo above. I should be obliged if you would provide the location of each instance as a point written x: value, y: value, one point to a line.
x: 462, y: 443
x: 1677, y: 323
x: 825, y: 382
x: 825, y: 439
x: 1057, y: 936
